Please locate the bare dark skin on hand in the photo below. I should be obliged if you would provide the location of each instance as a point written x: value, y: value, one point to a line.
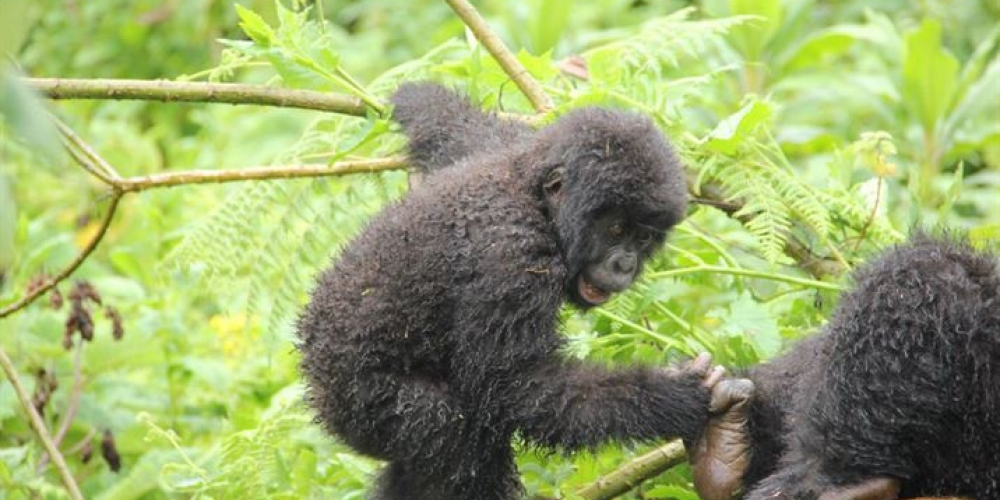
x: 895, y: 398
x: 721, y: 456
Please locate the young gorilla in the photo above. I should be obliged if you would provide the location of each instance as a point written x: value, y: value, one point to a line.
x: 433, y: 339
x: 898, y: 397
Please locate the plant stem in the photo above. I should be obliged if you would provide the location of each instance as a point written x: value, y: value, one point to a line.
x: 822, y: 285
x: 635, y: 471
x: 82, y: 256
x: 38, y: 425
x: 170, y: 179
x: 169, y: 91
x: 504, y: 57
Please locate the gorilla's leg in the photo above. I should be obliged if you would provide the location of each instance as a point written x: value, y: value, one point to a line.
x: 391, y: 416
x: 467, y: 474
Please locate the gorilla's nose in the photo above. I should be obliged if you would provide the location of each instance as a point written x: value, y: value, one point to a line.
x: 625, y: 263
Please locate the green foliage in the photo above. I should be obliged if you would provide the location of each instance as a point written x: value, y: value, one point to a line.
x: 831, y: 131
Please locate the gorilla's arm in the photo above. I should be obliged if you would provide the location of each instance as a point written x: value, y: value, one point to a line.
x: 572, y: 405
x: 443, y: 127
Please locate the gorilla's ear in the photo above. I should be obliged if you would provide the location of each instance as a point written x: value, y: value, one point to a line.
x: 553, y: 183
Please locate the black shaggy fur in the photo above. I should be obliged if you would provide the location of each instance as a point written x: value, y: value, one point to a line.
x: 903, y: 383
x: 433, y: 339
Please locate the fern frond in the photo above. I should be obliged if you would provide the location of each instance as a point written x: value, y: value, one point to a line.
x: 666, y: 41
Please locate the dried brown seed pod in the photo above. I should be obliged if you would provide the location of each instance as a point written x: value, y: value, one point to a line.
x: 117, y: 329
x: 110, y: 452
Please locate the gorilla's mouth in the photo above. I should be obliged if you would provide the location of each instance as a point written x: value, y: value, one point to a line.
x: 591, y: 293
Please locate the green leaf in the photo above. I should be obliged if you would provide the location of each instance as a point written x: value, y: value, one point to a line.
x: 752, y: 38
x: 729, y: 132
x: 979, y: 103
x: 670, y: 492
x: 254, y: 26
x: 548, y: 24
x: 747, y: 317
x: 824, y: 45
x: 22, y: 108
x: 930, y: 75
x: 984, y: 54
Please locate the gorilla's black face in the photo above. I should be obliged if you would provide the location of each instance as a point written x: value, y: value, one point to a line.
x: 613, y: 187
x: 615, y: 248
x: 604, y: 248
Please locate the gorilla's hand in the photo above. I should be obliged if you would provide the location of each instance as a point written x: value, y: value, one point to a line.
x: 720, y: 458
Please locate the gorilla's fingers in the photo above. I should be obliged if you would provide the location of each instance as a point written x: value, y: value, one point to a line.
x: 879, y: 488
x: 731, y: 396
x: 721, y: 457
x: 700, y: 364
x: 714, y: 377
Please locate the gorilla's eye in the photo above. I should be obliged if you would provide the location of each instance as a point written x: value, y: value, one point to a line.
x: 553, y: 182
x: 616, y: 229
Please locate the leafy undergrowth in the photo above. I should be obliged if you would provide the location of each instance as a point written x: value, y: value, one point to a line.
x: 814, y: 135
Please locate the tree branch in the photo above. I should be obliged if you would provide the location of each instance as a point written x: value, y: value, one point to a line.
x: 170, y: 179
x: 38, y: 425
x: 170, y: 91
x: 517, y: 72
x: 47, y: 285
x: 634, y: 472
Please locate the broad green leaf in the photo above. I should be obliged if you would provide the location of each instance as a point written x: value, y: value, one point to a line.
x: 985, y: 53
x: 826, y: 44
x: 729, y: 132
x: 548, y: 23
x: 751, y: 38
x: 930, y: 75
x: 22, y: 108
x: 981, y: 99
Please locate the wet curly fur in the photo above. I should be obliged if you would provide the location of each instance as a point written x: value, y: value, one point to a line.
x: 904, y: 382
x: 433, y: 339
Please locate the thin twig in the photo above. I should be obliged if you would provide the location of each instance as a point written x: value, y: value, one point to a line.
x: 85, y: 155
x: 168, y: 91
x: 47, y: 285
x: 170, y: 179
x: 71, y: 407
x: 517, y: 72
x: 38, y: 425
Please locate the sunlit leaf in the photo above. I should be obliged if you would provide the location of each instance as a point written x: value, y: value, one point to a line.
x: 930, y: 75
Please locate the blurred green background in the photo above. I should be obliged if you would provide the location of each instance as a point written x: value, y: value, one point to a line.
x: 838, y: 126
